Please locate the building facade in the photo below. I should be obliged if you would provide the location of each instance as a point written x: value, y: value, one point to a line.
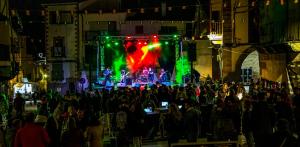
x: 73, y: 31
x: 246, y: 36
x: 62, y: 45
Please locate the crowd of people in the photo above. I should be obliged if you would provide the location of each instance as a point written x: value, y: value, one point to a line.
x: 265, y: 115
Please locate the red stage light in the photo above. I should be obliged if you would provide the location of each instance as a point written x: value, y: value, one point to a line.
x: 145, y: 43
x: 139, y: 43
x: 128, y: 37
x: 154, y: 36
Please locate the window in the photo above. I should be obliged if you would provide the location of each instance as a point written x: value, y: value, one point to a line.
x: 139, y: 30
x: 58, y: 47
x: 57, y: 72
x: 62, y: 17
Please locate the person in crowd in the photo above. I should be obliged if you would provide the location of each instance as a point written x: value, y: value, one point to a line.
x: 31, y: 135
x: 284, y: 110
x: 11, y: 131
x: 136, y: 122
x: 54, y: 126
x: 69, y: 115
x: 263, y: 121
x: 222, y: 122
x: 173, y: 123
x: 94, y: 133
x: 122, y: 125
x: 191, y: 120
x: 73, y: 137
x: 81, y: 119
x: 181, y: 96
x: 247, y: 125
x: 283, y: 137
x: 19, y: 105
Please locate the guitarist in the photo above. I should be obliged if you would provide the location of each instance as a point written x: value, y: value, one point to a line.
x: 107, y: 75
x: 151, y: 75
x: 123, y: 76
x: 163, y: 75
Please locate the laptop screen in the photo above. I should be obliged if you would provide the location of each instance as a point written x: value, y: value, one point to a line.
x: 148, y: 109
x: 164, y: 104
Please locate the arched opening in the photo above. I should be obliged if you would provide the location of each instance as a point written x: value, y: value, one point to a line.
x: 250, y: 65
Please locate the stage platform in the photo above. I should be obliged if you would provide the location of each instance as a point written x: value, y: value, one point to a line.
x: 109, y: 85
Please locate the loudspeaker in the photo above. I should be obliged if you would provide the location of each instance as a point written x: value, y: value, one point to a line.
x: 192, y: 51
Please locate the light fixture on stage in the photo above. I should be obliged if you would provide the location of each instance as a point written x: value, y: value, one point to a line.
x: 108, y: 45
x: 154, y: 38
x: 116, y: 43
x: 166, y: 42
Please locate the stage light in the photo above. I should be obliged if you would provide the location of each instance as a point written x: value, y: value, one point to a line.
x: 166, y: 42
x: 145, y: 43
x: 106, y: 37
x: 174, y: 36
x: 128, y: 37
x: 154, y: 36
x: 139, y: 43
x: 108, y: 45
x: 116, y: 43
x: 152, y: 46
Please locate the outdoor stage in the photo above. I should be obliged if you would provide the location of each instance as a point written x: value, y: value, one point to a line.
x: 141, y: 60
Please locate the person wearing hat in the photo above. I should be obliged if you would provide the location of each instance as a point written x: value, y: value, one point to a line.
x: 31, y: 135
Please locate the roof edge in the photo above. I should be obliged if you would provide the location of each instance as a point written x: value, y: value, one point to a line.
x: 55, y: 4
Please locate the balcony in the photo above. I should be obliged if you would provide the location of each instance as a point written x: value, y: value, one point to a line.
x: 216, y: 33
x: 216, y: 28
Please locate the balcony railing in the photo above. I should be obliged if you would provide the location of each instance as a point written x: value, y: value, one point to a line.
x: 216, y: 28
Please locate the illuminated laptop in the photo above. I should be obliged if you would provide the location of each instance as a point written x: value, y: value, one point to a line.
x: 164, y: 104
x: 148, y: 110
